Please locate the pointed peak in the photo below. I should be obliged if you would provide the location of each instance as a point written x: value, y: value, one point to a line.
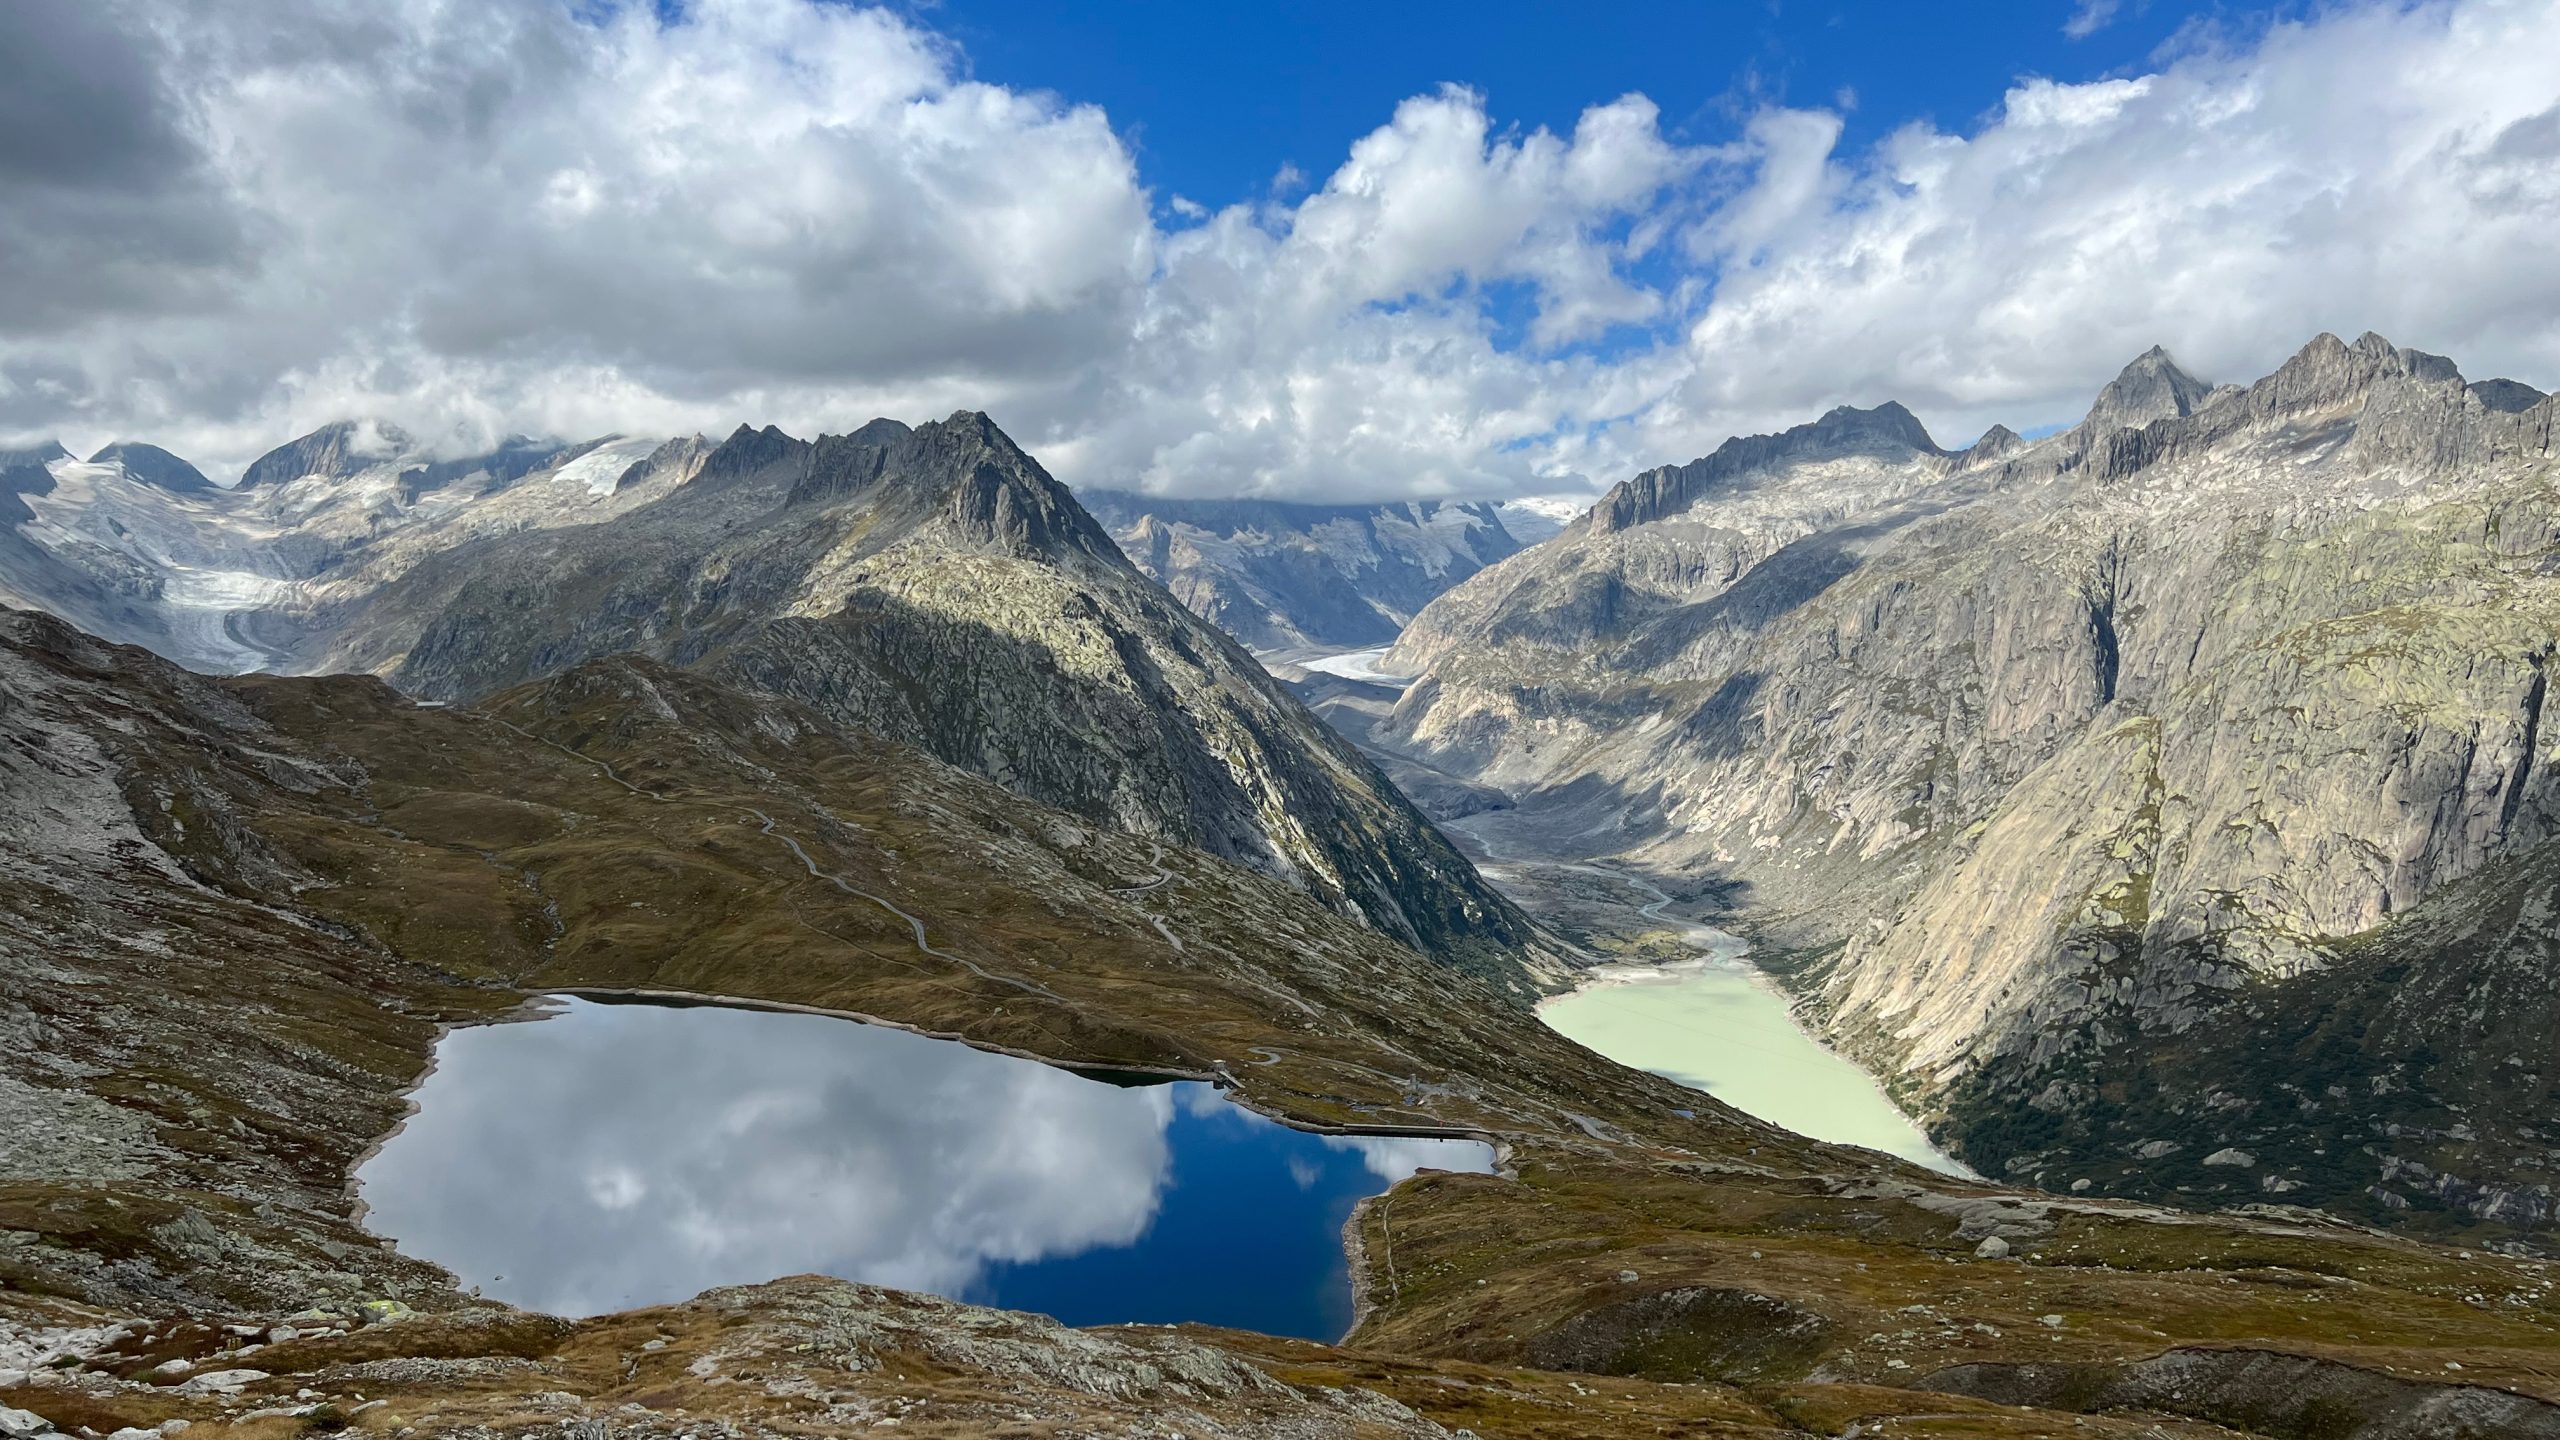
x: 994, y: 495
x: 153, y: 466
x: 2152, y: 387
x: 973, y: 425
x: 1997, y: 441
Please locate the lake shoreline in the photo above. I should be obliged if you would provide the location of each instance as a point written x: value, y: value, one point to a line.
x: 1727, y: 1003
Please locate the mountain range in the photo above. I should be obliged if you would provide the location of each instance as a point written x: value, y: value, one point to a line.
x: 1287, y: 577
x: 238, y: 913
x: 2163, y: 805
x: 834, y: 571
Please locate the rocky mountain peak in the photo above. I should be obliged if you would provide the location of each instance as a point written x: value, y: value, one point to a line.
x: 154, y: 466
x: 2151, y: 388
x: 332, y: 452
x: 1997, y: 444
x: 747, y: 451
x: 964, y: 471
x: 2507, y: 397
x: 37, y: 456
x: 1848, y: 427
x: 1887, y: 432
x: 2329, y: 372
x: 997, y: 496
x: 880, y: 432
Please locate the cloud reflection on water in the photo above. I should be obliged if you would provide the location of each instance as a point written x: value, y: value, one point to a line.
x: 621, y: 1155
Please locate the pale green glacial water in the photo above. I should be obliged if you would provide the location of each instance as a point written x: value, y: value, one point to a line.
x: 1715, y: 1024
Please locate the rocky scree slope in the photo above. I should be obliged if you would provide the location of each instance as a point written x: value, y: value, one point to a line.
x: 236, y: 910
x: 1284, y: 576
x: 2194, y: 729
x: 936, y: 586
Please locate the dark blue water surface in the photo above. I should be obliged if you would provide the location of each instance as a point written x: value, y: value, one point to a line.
x: 617, y: 1155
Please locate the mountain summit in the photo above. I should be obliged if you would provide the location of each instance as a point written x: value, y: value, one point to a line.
x: 1888, y: 433
x: 2151, y: 388
x: 332, y: 452
x: 155, y: 466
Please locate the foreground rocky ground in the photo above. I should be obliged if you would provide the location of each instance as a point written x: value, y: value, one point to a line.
x: 234, y: 915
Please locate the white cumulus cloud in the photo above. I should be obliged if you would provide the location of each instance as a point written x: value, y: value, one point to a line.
x: 227, y: 224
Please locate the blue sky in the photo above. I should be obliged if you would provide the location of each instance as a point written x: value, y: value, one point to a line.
x: 1216, y: 97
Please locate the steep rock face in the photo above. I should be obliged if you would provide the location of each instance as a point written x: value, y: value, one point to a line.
x: 1516, y: 665
x: 1282, y: 576
x: 2063, y: 752
x: 938, y: 587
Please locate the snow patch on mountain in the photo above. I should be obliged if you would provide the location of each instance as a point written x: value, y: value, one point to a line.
x: 1533, y: 518
x: 601, y: 469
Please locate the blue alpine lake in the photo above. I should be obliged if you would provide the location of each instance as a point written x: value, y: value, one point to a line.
x: 614, y: 1155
